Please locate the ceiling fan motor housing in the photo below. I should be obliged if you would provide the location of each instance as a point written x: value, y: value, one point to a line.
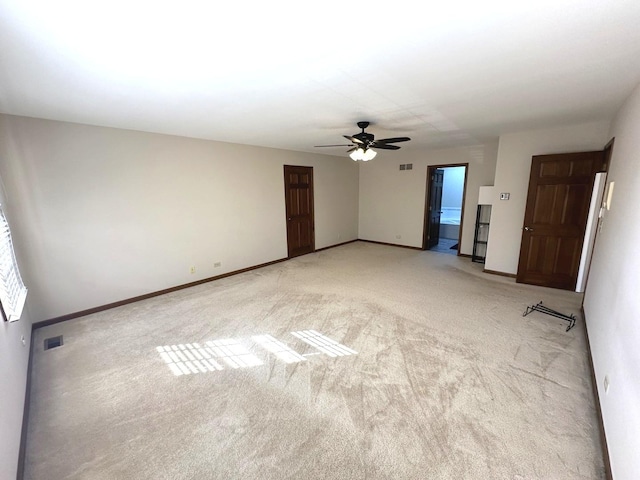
x: 366, y: 138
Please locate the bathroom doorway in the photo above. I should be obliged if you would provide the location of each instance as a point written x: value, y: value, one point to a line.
x: 444, y: 208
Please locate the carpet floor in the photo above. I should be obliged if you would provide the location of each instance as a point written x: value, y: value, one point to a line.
x: 358, y: 362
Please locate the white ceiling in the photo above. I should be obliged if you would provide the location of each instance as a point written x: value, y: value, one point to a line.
x: 293, y: 74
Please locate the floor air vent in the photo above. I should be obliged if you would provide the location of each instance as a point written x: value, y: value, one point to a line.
x: 53, y: 342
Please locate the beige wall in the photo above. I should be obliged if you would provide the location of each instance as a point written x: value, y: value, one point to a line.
x: 611, y: 299
x: 392, y: 201
x: 14, y: 357
x: 110, y: 214
x: 512, y: 176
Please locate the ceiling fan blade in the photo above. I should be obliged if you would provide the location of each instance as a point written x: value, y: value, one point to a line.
x: 354, y: 139
x: 352, y: 149
x: 385, y: 147
x: 343, y: 145
x: 393, y: 140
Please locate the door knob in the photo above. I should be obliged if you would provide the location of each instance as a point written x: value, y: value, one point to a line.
x: 528, y: 229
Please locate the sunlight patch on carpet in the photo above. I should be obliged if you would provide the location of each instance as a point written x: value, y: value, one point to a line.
x: 279, y: 349
x: 234, y: 354
x: 191, y: 358
x: 184, y: 359
x: 324, y: 344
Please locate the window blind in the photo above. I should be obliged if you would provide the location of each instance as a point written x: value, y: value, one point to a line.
x: 12, y: 291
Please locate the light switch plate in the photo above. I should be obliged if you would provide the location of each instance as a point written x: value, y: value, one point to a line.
x: 505, y: 196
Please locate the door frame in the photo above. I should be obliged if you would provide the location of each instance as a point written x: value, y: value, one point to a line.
x: 434, y: 209
x: 425, y: 216
x: 608, y: 154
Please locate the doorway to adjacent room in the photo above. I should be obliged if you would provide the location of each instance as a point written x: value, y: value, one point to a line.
x: 444, y: 208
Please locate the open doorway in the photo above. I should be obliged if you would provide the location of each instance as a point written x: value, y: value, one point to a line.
x: 444, y: 208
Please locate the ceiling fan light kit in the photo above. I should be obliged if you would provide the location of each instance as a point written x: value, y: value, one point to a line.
x: 363, y: 144
x: 362, y: 154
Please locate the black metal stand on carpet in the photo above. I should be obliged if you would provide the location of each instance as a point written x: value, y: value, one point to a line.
x: 538, y: 307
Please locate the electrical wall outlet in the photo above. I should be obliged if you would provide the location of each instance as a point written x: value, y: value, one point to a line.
x: 217, y: 264
x: 192, y: 270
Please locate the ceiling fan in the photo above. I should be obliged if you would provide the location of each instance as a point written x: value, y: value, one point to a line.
x: 363, y: 144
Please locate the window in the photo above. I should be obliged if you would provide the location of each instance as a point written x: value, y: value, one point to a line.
x: 12, y: 291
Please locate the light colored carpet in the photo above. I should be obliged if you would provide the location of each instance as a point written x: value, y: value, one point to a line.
x: 449, y: 380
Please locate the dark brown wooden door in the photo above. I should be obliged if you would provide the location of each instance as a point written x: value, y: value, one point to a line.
x: 298, y: 190
x: 555, y: 218
x: 436, y: 180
